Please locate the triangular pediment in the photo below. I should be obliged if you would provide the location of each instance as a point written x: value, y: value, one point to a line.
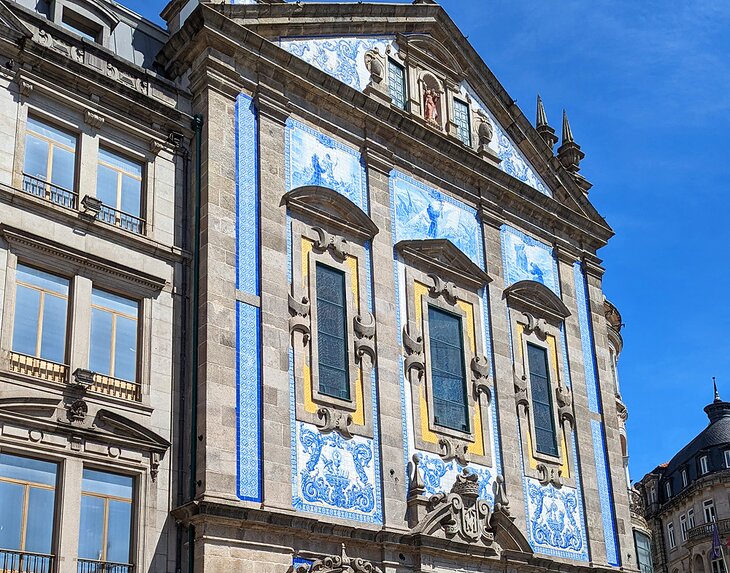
x: 332, y: 210
x: 11, y: 25
x: 444, y: 259
x: 121, y: 426
x: 29, y: 406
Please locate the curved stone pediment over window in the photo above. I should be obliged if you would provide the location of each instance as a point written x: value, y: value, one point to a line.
x: 443, y: 258
x: 537, y: 298
x: 429, y: 46
x: 331, y: 209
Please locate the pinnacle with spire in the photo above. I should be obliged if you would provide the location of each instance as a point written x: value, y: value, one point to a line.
x: 569, y: 152
x: 717, y: 409
x: 542, y: 126
x: 714, y: 386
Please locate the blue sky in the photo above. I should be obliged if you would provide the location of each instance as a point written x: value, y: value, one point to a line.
x: 647, y: 89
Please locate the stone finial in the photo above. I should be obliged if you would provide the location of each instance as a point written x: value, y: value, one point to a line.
x: 569, y: 152
x: 543, y: 128
x: 717, y: 394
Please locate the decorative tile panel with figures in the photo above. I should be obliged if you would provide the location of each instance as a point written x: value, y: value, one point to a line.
x: 420, y: 212
x: 343, y: 58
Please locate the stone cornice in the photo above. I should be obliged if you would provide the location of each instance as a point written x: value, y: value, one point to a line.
x: 207, y: 27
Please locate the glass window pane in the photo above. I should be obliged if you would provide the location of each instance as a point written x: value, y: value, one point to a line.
x: 119, y: 531
x: 39, y: 529
x: 332, y: 352
x: 25, y: 324
x: 63, y: 165
x: 51, y: 132
x: 53, y: 340
x: 125, y: 351
x: 120, y: 162
x: 11, y: 516
x: 101, y: 339
x: 463, y: 122
x: 107, y: 484
x: 106, y: 185
x: 131, y: 194
x: 91, y: 530
x: 114, y: 302
x: 397, y: 83
x: 27, y: 469
x: 36, y: 157
x: 41, y: 279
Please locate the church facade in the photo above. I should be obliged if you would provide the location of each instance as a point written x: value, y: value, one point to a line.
x: 370, y: 328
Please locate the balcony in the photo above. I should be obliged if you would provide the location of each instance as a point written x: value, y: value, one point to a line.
x: 121, y: 219
x: 12, y: 561
x: 705, y: 530
x: 115, y: 387
x: 38, y: 368
x: 92, y: 566
x: 49, y: 192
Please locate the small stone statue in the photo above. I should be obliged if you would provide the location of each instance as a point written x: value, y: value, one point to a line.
x: 485, y: 131
x: 374, y: 65
x: 431, y: 100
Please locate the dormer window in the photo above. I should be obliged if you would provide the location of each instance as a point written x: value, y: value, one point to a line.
x: 685, y: 480
x: 668, y: 489
x: 704, y: 465
x: 81, y: 26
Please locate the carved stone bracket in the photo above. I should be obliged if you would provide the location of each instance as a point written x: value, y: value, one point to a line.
x: 565, y: 404
x: 335, y: 244
x: 25, y: 88
x: 537, y: 325
x: 299, y: 319
x: 154, y: 465
x: 442, y: 288
x: 413, y: 344
x: 459, y: 515
x: 364, y: 327
x: 335, y: 421
x: 549, y: 474
x: 343, y: 564
x: 93, y: 119
x: 480, y: 375
x: 520, y: 383
x: 451, y: 449
x: 501, y: 502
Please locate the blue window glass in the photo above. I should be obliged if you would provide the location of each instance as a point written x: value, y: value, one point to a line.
x: 106, y: 517
x: 397, y: 83
x: 27, y: 499
x: 451, y: 409
x: 462, y: 121
x: 41, y: 301
x: 113, y: 348
x: 50, y: 155
x: 542, y: 404
x: 332, y: 356
x: 643, y: 552
x: 119, y: 182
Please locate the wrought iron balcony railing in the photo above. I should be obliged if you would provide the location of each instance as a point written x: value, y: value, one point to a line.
x: 92, y: 566
x: 121, y: 219
x: 116, y: 387
x: 12, y: 561
x: 50, y: 192
x: 705, y: 530
x: 38, y: 367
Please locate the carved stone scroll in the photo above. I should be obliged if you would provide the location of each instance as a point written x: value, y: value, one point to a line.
x: 335, y: 421
x: 364, y: 327
x: 442, y: 288
x: 299, y: 320
x: 335, y: 244
x: 413, y: 343
x: 343, y: 564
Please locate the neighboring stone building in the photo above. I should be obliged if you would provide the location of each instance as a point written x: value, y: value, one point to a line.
x: 681, y: 499
x: 404, y: 358
x: 91, y: 289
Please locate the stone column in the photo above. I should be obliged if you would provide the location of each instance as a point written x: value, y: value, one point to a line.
x: 68, y: 502
x: 379, y: 163
x: 504, y: 398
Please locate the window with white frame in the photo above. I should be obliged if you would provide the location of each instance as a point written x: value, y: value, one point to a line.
x: 652, y: 495
x: 690, y: 518
x: 113, y: 343
x: 41, y: 309
x: 643, y: 552
x: 28, y: 501
x: 718, y: 565
x: 685, y: 480
x: 727, y: 458
x: 49, y: 168
x: 708, y: 507
x: 463, y: 121
x: 106, y: 522
x: 119, y: 187
x: 542, y: 403
x: 668, y: 489
x: 683, y: 527
x: 670, y: 536
x: 704, y: 468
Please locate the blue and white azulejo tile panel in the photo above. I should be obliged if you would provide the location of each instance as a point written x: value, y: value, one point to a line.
x: 438, y: 476
x: 335, y: 476
x: 513, y: 161
x: 526, y: 258
x: 605, y: 493
x: 342, y: 58
x: 586, y: 339
x: 247, y: 196
x: 554, y: 521
x: 313, y: 158
x: 422, y: 212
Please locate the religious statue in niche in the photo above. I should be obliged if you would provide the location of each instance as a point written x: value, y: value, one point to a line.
x: 431, y: 101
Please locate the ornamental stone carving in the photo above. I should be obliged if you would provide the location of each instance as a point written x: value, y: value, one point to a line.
x: 413, y: 344
x: 336, y: 245
x: 299, y: 319
x: 565, y: 403
x: 485, y: 131
x: 442, y: 288
x: 364, y: 327
x: 501, y: 502
x: 374, y: 65
x: 454, y: 450
x: 549, y: 474
x: 537, y: 325
x: 520, y: 383
x: 459, y: 515
x: 335, y: 421
x: 343, y: 564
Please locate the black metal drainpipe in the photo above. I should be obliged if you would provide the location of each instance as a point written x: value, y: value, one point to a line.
x: 197, y: 125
